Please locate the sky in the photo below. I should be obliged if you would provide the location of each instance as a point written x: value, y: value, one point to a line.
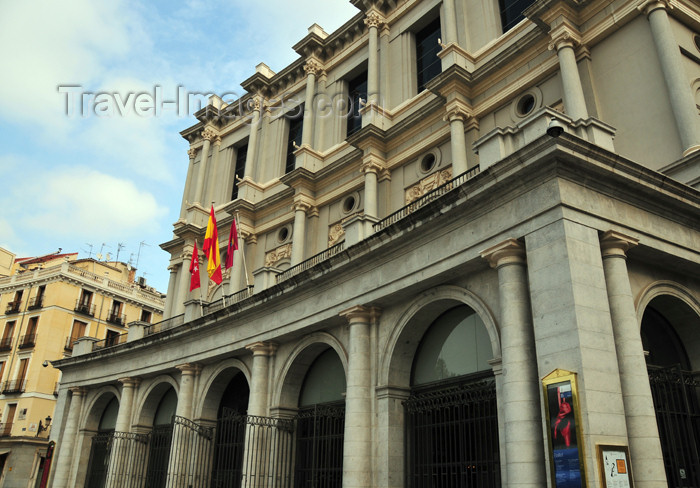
x: 93, y: 96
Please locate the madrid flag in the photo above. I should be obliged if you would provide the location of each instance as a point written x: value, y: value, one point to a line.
x: 211, y: 249
x: 194, y: 268
x: 232, y: 245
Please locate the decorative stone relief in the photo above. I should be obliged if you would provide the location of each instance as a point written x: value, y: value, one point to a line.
x: 335, y: 234
x: 427, y: 184
x: 277, y: 255
x: 192, y: 152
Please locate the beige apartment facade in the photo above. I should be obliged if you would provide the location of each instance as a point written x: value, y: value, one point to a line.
x: 46, y: 304
x: 469, y: 256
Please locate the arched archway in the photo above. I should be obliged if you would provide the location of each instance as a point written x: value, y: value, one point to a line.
x: 106, y: 409
x: 451, y: 413
x: 670, y: 332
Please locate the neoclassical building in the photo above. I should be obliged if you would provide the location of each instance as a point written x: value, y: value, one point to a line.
x: 469, y: 256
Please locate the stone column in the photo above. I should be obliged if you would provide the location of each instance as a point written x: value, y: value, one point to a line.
x: 357, y: 448
x: 257, y: 444
x: 564, y: 40
x: 186, y: 395
x: 520, y: 401
x: 180, y: 467
x: 216, y: 180
x: 677, y: 82
x: 119, y: 467
x: 256, y: 104
x: 450, y: 22
x: 299, y: 231
x: 373, y: 21
x: 640, y: 416
x: 457, y: 115
x: 171, y: 297
x: 370, y: 168
x: 66, y: 459
x: 188, y: 183
x: 312, y: 67
x: 207, y: 134
x: 184, y: 284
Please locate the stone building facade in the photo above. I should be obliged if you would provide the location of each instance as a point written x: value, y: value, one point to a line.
x: 470, y: 256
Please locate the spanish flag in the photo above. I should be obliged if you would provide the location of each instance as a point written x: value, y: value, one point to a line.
x: 211, y: 249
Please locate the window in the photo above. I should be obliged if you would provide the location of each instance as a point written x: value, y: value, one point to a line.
x: 512, y: 12
x: 112, y: 338
x: 84, y: 303
x: 29, y: 339
x: 2, y: 369
x: 357, y: 89
x: 86, y: 298
x: 427, y: 61
x: 239, y: 171
x: 115, y: 313
x: 146, y: 316
x: 77, y: 332
x: 22, y: 373
x: 37, y: 301
x: 296, y: 125
x: 6, y: 343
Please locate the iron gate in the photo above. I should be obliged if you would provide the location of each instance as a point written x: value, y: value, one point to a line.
x: 319, y: 447
x: 675, y: 394
x: 452, y: 436
x: 99, y: 459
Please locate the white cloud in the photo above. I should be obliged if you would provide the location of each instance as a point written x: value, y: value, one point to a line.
x: 83, y: 203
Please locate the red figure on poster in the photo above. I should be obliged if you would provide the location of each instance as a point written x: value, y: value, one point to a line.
x: 563, y: 424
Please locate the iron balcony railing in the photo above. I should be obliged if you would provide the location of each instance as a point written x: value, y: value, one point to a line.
x: 27, y: 341
x: 166, y: 324
x: 5, y: 429
x: 36, y: 302
x: 14, y: 386
x: 311, y: 262
x: 110, y: 341
x: 426, y: 199
x: 229, y: 300
x: 84, y: 308
x: 13, y: 307
x: 117, y: 318
x: 6, y: 344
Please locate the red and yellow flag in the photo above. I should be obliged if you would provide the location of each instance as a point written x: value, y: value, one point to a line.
x: 194, y: 268
x: 211, y: 249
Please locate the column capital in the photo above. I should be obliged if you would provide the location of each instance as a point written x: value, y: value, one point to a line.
x: 192, y: 152
x: 78, y: 390
x: 189, y: 368
x: 130, y: 382
x: 648, y: 6
x: 208, y: 134
x: 564, y: 35
x: 262, y: 348
x: 216, y: 140
x: 457, y: 110
x: 361, y: 314
x: 616, y: 244
x: 510, y: 251
x: 374, y: 19
x: 303, y: 203
x: 312, y: 67
x: 371, y: 165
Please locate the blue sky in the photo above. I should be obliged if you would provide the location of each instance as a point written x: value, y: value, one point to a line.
x: 107, y: 174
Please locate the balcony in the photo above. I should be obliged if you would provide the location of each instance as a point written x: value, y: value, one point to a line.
x: 27, y: 341
x: 5, y: 344
x: 13, y: 307
x: 36, y: 302
x: 84, y: 308
x: 13, y: 386
x: 117, y: 318
x: 5, y: 429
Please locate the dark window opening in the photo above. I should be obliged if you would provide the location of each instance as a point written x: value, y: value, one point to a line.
x: 427, y: 61
x: 357, y: 89
x: 239, y: 170
x: 512, y: 12
x: 296, y: 125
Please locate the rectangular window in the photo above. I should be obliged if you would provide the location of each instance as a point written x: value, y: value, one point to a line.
x: 427, y: 61
x: 357, y: 89
x: 239, y: 170
x: 2, y: 369
x: 31, y: 326
x: 112, y: 338
x: 512, y: 12
x: 86, y: 298
x: 145, y: 316
x: 296, y: 126
x: 22, y: 374
x: 6, y: 342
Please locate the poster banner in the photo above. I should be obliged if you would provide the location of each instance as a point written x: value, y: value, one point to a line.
x: 614, y: 466
x: 564, y: 422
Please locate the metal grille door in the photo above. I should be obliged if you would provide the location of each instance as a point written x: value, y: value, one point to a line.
x: 319, y: 455
x: 675, y: 394
x: 452, y: 436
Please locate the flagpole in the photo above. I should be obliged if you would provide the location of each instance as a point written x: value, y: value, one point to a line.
x: 245, y: 268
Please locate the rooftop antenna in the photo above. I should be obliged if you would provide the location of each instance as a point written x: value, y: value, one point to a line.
x: 102, y: 247
x: 138, y: 256
x: 90, y: 251
x: 131, y: 259
x: 120, y: 246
